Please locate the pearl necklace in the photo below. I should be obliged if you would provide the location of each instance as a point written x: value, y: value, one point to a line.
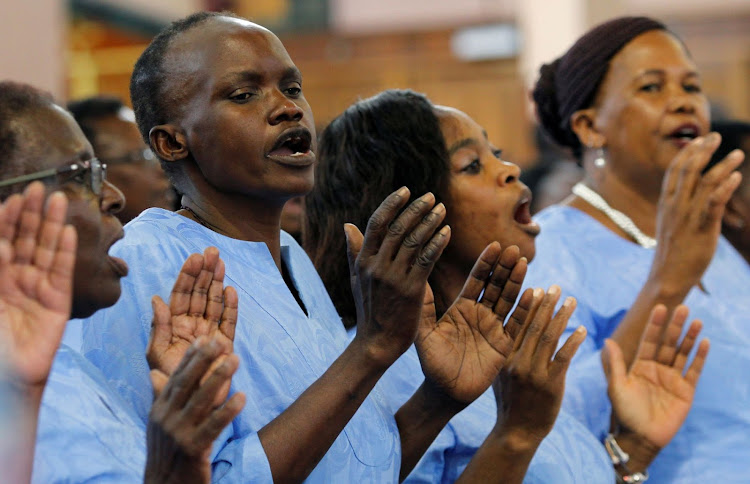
x: 619, y: 218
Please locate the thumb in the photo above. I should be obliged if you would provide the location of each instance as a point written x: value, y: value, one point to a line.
x: 428, y: 319
x: 161, y: 329
x: 354, y: 241
x: 158, y: 381
x: 614, y: 363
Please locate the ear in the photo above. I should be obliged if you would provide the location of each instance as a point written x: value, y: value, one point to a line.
x: 582, y: 124
x: 734, y: 216
x: 168, y: 142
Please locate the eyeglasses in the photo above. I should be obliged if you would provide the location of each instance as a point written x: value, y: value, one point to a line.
x: 90, y: 173
x: 144, y: 155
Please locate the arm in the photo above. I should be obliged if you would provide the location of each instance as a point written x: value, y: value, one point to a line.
x: 688, y: 225
x: 529, y: 393
x: 651, y: 400
x: 389, y: 269
x: 37, y: 255
x: 462, y: 353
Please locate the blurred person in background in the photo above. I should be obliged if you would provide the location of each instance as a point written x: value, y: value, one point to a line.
x: 54, y: 265
x: 735, y: 135
x: 644, y: 228
x: 399, y: 138
x: 110, y: 127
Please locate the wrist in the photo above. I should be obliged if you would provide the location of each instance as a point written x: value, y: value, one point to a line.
x: 665, y: 291
x: 373, y: 355
x: 641, y: 451
x: 515, y: 441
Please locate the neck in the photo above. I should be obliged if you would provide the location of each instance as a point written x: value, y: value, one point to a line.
x: 239, y: 217
x: 638, y: 206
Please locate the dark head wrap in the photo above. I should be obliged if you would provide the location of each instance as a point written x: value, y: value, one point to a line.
x: 570, y: 82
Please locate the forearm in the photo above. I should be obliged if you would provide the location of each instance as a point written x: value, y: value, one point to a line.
x: 504, y: 457
x: 419, y: 421
x: 630, y: 330
x: 296, y: 440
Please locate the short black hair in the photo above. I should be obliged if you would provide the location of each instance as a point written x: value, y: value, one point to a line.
x: 86, y: 111
x: 17, y: 100
x: 733, y: 133
x: 375, y: 147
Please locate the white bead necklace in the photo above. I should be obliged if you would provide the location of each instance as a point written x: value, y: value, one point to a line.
x: 619, y: 218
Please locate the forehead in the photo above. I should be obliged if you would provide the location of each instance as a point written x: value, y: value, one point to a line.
x: 222, y: 45
x: 457, y: 125
x: 49, y: 137
x: 653, y: 50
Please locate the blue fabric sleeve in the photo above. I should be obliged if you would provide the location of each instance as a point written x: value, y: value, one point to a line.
x: 242, y: 460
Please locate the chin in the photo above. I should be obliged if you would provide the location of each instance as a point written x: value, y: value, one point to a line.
x: 89, y: 302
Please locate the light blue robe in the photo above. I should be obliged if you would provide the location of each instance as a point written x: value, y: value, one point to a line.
x: 570, y: 454
x: 282, y: 351
x: 605, y: 273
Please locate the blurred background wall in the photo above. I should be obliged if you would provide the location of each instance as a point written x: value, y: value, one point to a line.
x: 478, y: 55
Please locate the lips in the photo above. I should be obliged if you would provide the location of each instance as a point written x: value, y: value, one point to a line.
x: 292, y: 147
x: 118, y: 265
x: 684, y: 134
x: 522, y: 213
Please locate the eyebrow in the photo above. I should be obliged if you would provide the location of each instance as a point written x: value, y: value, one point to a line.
x: 661, y: 72
x: 290, y: 73
x: 463, y: 143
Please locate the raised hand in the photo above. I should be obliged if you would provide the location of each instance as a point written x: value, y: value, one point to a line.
x: 389, y: 267
x: 653, y: 398
x: 530, y: 387
x: 184, y: 419
x: 463, y: 352
x: 691, y: 207
x: 199, y: 305
x: 37, y: 257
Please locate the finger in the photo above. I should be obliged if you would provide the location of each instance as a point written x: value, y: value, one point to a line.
x: 215, y: 303
x: 354, y: 241
x: 535, y: 329
x: 560, y: 364
x: 512, y: 288
x: 687, y: 345
x: 723, y: 169
x: 187, y: 376
x: 691, y: 170
x: 538, y: 297
x: 480, y: 272
x: 11, y: 212
x: 696, y: 367
x: 414, y: 241
x: 515, y: 322
x: 713, y: 208
x: 6, y: 253
x: 179, y: 298
x: 668, y: 347
x: 377, y: 225
x: 403, y: 225
x: 50, y: 231
x: 201, y: 401
x: 64, y: 261
x: 430, y: 255
x: 551, y: 334
x: 199, y: 292
x: 29, y: 223
x: 158, y: 382
x: 210, y: 429
x: 229, y: 315
x: 614, y: 363
x: 651, y: 338
x: 161, y: 332
x: 673, y: 176
x: 500, y: 272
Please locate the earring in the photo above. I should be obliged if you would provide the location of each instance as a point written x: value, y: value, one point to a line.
x: 600, y: 161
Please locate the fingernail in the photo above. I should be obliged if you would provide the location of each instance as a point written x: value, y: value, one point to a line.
x: 439, y: 208
x: 699, y: 140
x: 538, y: 292
x: 445, y: 230
x: 568, y: 302
x: 736, y: 154
x: 427, y: 197
x: 554, y: 290
x: 402, y: 191
x: 580, y: 330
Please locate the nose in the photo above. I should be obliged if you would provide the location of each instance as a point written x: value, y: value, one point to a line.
x: 682, y: 102
x: 508, y: 173
x: 285, y: 110
x: 113, y: 201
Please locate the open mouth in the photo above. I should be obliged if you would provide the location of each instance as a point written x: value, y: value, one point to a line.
x: 522, y: 215
x: 685, y: 133
x: 295, y: 142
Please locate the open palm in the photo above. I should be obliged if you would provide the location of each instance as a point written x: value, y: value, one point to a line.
x: 37, y: 257
x: 462, y: 353
x: 199, y: 305
x: 654, y: 397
